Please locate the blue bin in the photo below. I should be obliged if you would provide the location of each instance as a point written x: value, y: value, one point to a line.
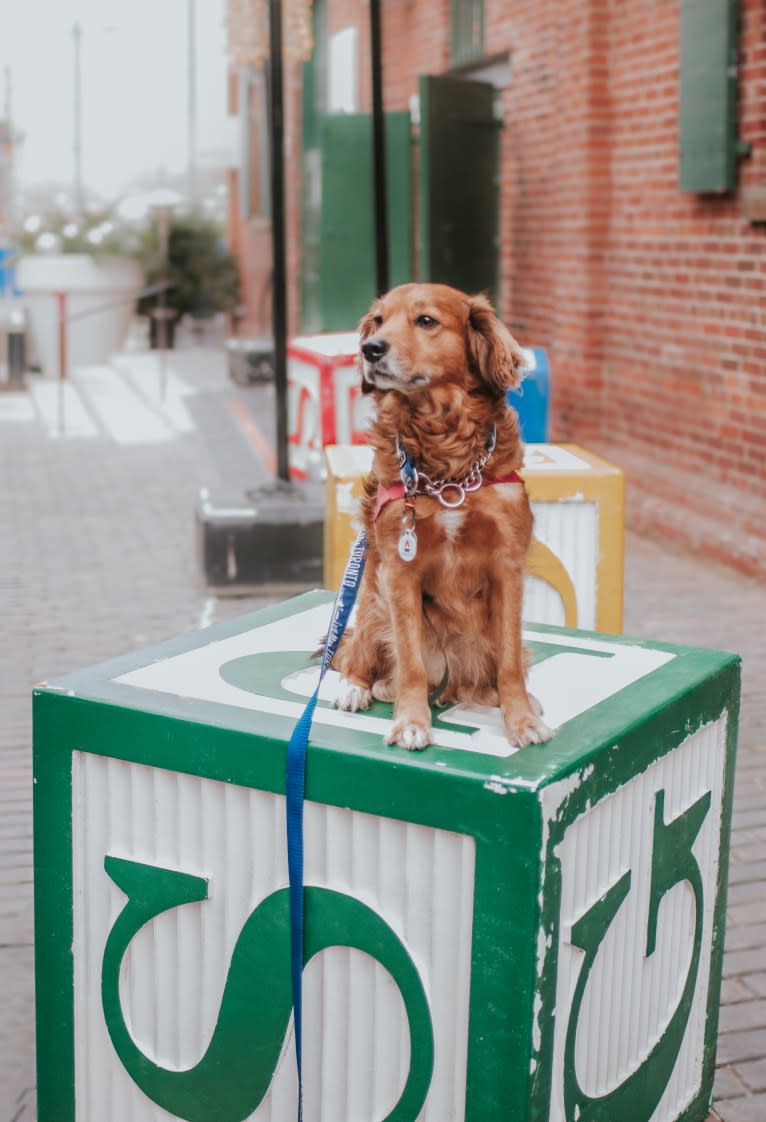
x: 531, y: 399
x: 8, y: 258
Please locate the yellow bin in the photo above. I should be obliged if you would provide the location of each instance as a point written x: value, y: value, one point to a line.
x: 575, y: 565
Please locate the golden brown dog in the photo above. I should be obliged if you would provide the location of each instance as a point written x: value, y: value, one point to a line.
x: 446, y: 515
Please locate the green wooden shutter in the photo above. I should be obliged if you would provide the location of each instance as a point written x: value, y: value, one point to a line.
x: 467, y: 30
x: 347, y: 234
x: 459, y: 179
x: 707, y: 95
x: 314, y: 102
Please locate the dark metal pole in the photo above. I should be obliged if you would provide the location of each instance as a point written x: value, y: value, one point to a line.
x: 79, y: 198
x: 191, y: 103
x: 378, y: 152
x: 279, y: 296
x: 61, y: 301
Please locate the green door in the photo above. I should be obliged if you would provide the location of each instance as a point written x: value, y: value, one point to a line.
x: 346, y: 223
x: 459, y: 180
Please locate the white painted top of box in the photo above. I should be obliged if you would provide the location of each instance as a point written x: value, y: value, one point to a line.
x: 540, y: 458
x: 579, y: 674
x: 329, y: 345
x: 349, y: 459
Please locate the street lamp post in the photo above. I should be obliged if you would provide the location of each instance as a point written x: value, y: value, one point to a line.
x: 279, y: 298
x: 191, y: 46
x: 79, y: 202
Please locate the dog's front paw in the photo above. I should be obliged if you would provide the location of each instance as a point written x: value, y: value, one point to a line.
x: 537, y: 708
x: 352, y: 696
x: 527, y: 726
x: 410, y: 734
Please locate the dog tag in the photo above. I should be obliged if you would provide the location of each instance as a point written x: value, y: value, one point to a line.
x: 408, y: 545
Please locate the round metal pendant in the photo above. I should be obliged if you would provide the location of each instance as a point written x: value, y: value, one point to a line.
x: 408, y: 545
x: 456, y: 493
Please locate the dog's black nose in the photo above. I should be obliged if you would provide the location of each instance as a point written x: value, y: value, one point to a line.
x: 374, y: 349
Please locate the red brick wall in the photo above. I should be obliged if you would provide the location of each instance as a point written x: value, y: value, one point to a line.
x: 415, y: 41
x: 685, y: 357
x: 292, y: 96
x: 250, y: 239
x: 650, y: 300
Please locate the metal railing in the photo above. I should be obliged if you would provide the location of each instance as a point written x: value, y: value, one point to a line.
x: 65, y: 318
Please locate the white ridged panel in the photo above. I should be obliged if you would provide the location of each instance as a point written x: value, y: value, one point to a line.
x: 630, y: 998
x: 542, y: 603
x: 353, y: 409
x: 356, y: 1040
x: 570, y: 529
x: 304, y: 413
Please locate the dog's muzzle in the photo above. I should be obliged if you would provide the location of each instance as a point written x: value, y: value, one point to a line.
x: 374, y: 350
x: 368, y: 377
x: 380, y: 370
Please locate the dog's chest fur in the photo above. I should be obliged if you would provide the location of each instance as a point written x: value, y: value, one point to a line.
x: 451, y: 522
x: 453, y: 545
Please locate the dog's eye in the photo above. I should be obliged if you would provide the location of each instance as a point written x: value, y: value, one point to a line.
x: 377, y: 320
x: 425, y: 321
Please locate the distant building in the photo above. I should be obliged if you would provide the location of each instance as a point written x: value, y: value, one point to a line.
x: 600, y: 167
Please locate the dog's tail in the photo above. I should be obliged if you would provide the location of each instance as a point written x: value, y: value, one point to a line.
x: 318, y: 653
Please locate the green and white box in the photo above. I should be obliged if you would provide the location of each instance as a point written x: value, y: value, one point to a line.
x: 533, y: 935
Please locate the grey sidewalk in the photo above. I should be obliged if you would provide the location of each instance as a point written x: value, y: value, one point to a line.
x: 98, y: 557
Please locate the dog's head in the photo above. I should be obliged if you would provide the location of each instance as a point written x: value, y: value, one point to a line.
x: 419, y: 335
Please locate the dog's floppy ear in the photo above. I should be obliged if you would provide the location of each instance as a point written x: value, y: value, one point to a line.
x: 367, y: 324
x: 496, y: 355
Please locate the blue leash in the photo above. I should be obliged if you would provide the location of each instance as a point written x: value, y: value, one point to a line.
x: 296, y: 785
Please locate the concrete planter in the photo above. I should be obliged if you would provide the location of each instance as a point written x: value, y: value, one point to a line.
x: 89, y: 283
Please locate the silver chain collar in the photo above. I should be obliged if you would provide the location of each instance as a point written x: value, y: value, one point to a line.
x: 451, y: 493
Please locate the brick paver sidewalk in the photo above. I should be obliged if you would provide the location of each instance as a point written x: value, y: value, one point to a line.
x: 98, y: 558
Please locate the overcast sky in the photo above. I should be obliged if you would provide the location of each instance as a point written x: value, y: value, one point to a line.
x: 134, y: 86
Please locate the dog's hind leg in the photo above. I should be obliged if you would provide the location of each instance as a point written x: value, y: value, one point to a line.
x: 383, y: 690
x: 358, y: 657
x: 352, y: 696
x: 355, y: 663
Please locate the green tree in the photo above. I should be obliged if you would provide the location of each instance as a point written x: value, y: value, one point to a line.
x: 202, y: 270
